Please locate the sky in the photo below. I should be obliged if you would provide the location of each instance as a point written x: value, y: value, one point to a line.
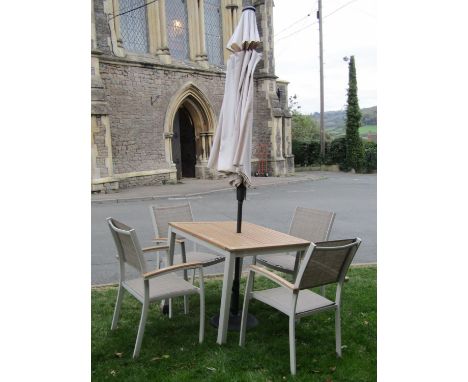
x: 351, y: 30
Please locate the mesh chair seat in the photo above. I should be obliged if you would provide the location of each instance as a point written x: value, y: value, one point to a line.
x: 281, y: 299
x: 282, y: 262
x: 206, y: 259
x: 169, y: 285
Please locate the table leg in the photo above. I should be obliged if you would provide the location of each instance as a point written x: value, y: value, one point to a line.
x: 167, y: 308
x: 172, y: 236
x: 229, y: 264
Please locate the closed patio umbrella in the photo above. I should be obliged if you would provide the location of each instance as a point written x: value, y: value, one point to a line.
x: 232, y: 145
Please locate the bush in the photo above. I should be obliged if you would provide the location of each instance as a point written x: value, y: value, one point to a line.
x: 337, y: 152
x: 299, y: 150
x: 313, y: 150
x: 370, y: 156
x: 306, y: 153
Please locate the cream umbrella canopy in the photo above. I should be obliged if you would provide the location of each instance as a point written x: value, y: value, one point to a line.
x: 232, y: 145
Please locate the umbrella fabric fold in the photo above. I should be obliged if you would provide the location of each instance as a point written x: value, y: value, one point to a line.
x: 232, y: 144
x: 246, y: 35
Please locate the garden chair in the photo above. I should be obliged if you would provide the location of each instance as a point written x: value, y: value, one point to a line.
x: 324, y: 263
x: 150, y: 286
x: 161, y: 216
x: 308, y: 224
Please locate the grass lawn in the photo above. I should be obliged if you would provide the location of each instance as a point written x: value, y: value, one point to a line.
x: 170, y: 349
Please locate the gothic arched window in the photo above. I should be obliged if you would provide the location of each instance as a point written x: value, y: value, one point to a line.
x: 177, y: 29
x: 133, y: 25
x: 213, y: 32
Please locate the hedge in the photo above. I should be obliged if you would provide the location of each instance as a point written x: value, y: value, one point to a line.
x: 308, y: 153
x: 370, y: 156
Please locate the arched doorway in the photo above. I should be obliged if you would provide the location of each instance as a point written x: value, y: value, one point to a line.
x: 183, y: 144
x: 188, y: 131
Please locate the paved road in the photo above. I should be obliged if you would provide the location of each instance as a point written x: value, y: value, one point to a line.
x: 352, y: 196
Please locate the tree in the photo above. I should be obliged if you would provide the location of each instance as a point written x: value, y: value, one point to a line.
x: 294, y: 105
x: 354, y: 147
x: 304, y: 126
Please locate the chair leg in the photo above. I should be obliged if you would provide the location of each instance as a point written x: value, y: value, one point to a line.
x: 193, y: 276
x: 202, y: 307
x: 170, y: 308
x: 245, y: 308
x: 322, y: 290
x: 292, y: 344
x: 118, y: 304
x: 338, y: 331
x: 141, y: 328
x: 254, y: 262
x: 158, y: 261
x: 186, y: 298
x: 202, y: 317
x: 186, y: 304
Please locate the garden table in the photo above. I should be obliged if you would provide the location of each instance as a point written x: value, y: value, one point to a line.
x: 222, y: 238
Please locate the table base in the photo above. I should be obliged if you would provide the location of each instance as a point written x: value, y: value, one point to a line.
x: 235, y: 321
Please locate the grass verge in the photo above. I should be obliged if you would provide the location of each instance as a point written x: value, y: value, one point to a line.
x: 170, y: 349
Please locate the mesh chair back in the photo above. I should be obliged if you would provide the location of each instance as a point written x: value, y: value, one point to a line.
x: 128, y: 246
x: 162, y: 215
x: 327, y: 263
x: 312, y: 225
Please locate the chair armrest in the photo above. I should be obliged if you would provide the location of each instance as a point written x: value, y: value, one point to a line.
x: 165, y: 240
x: 155, y: 248
x: 172, y: 268
x: 273, y: 277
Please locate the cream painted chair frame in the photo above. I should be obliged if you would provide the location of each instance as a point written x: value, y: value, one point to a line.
x: 151, y: 286
x: 185, y: 213
x: 160, y: 217
x: 296, y: 300
x: 320, y: 222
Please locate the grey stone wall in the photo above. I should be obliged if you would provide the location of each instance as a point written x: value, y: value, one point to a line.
x: 137, y: 125
x: 99, y: 141
x: 148, y: 180
x: 102, y: 28
x: 136, y: 94
x: 267, y: 105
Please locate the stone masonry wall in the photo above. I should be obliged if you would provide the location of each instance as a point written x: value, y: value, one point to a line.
x: 148, y: 180
x: 100, y: 142
x: 102, y: 27
x: 137, y: 125
x: 267, y: 108
x: 138, y: 93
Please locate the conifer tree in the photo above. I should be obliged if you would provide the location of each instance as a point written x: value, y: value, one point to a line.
x: 354, y: 146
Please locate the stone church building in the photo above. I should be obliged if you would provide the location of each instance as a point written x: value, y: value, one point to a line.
x: 158, y: 74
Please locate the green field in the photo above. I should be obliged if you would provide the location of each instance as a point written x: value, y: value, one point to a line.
x: 364, y: 130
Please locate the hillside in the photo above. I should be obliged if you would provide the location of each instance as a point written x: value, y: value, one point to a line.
x: 335, y: 120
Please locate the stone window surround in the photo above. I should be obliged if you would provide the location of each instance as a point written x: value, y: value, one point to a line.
x: 157, y: 32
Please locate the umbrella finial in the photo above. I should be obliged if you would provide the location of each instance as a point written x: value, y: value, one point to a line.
x: 252, y: 8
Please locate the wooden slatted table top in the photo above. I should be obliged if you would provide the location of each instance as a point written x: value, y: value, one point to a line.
x: 253, y: 237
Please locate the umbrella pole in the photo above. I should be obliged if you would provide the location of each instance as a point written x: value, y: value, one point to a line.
x: 241, y: 194
x: 234, y: 316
